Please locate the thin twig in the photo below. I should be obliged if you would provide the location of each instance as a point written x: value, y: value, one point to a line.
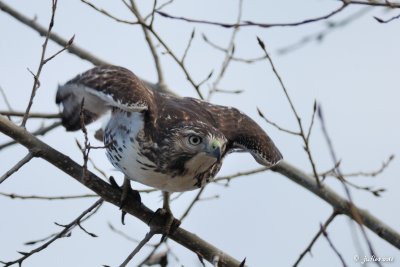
x: 353, y: 210
x: 104, y: 12
x: 240, y: 174
x: 146, y: 239
x: 375, y: 173
x: 17, y: 166
x: 312, y: 121
x: 373, y: 3
x: 230, y: 50
x: 35, y: 197
x: 31, y: 115
x: 66, y: 230
x: 256, y: 24
x: 320, y: 35
x: 5, y: 98
x: 32, y: 23
x: 34, y: 242
x: 315, y: 238
x: 189, y: 208
x: 124, y: 235
x: 387, y: 20
x: 188, y: 46
x: 233, y: 58
x: 42, y: 62
x: 323, y: 230
x: 147, y: 29
x: 149, y: 41
x: 298, y: 118
x: 275, y: 124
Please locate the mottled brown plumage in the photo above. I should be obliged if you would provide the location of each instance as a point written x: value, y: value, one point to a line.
x: 167, y: 142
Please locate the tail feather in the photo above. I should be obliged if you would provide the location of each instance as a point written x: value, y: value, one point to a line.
x: 70, y: 98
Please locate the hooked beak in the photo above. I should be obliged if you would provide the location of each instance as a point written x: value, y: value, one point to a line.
x: 215, y: 150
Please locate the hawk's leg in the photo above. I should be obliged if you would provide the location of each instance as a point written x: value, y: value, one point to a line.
x: 166, y: 199
x: 163, y: 221
x: 126, y: 192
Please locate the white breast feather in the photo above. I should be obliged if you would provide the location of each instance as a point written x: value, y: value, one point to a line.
x: 128, y: 163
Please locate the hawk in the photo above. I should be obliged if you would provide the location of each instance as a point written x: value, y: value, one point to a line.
x: 166, y: 142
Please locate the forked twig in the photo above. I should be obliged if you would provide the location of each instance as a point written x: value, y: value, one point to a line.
x: 66, y: 230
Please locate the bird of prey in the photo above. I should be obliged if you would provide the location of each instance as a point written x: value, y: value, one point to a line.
x: 166, y: 142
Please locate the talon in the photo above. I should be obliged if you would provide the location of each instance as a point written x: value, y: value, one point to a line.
x: 163, y: 222
x: 114, y: 183
x: 127, y: 193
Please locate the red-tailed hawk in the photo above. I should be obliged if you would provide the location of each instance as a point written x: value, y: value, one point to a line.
x: 170, y: 143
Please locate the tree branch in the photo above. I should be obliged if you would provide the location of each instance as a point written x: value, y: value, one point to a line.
x: 339, y: 203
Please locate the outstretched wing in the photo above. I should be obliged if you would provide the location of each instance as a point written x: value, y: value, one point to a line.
x: 243, y: 133
x: 102, y: 88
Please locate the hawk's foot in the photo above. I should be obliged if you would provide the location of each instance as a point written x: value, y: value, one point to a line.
x: 163, y: 222
x: 127, y: 193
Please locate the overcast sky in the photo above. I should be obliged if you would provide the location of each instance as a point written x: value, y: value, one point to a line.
x: 352, y: 73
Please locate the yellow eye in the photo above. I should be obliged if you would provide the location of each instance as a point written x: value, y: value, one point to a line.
x: 195, y: 140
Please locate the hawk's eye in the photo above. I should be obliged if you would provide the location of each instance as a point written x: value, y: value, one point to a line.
x: 195, y: 140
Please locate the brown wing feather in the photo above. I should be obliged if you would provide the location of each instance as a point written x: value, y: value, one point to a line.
x: 102, y: 88
x: 244, y: 133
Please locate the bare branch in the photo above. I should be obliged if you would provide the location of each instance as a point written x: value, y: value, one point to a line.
x: 3, y: 94
x: 124, y: 235
x: 387, y: 20
x: 40, y: 131
x: 232, y: 57
x: 308, y: 248
x: 188, y: 46
x: 42, y: 62
x: 240, y: 174
x: 229, y: 52
x: 354, y: 211
x: 374, y: 3
x: 149, y: 41
x: 375, y: 173
x: 256, y: 24
x: 74, y: 49
x: 196, y: 198
x: 323, y: 230
x: 17, y: 166
x: 320, y: 35
x: 300, y: 124
x: 146, y: 239
x: 104, y: 12
x: 339, y: 203
x: 275, y: 124
x: 86, y: 55
x: 30, y: 197
x: 66, y: 230
x: 31, y: 115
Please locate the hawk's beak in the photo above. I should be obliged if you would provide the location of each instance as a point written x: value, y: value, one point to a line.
x: 215, y: 149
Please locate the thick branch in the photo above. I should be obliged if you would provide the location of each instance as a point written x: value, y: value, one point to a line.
x: 107, y: 192
x: 339, y: 203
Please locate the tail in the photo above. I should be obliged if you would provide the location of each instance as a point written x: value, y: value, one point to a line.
x: 78, y: 106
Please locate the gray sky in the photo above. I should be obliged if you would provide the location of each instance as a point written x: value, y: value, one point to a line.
x: 352, y: 73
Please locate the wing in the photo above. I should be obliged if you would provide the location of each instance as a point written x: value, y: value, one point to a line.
x: 102, y: 88
x: 243, y: 133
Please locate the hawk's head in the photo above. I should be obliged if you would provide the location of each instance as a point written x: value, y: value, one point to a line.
x: 194, y: 148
